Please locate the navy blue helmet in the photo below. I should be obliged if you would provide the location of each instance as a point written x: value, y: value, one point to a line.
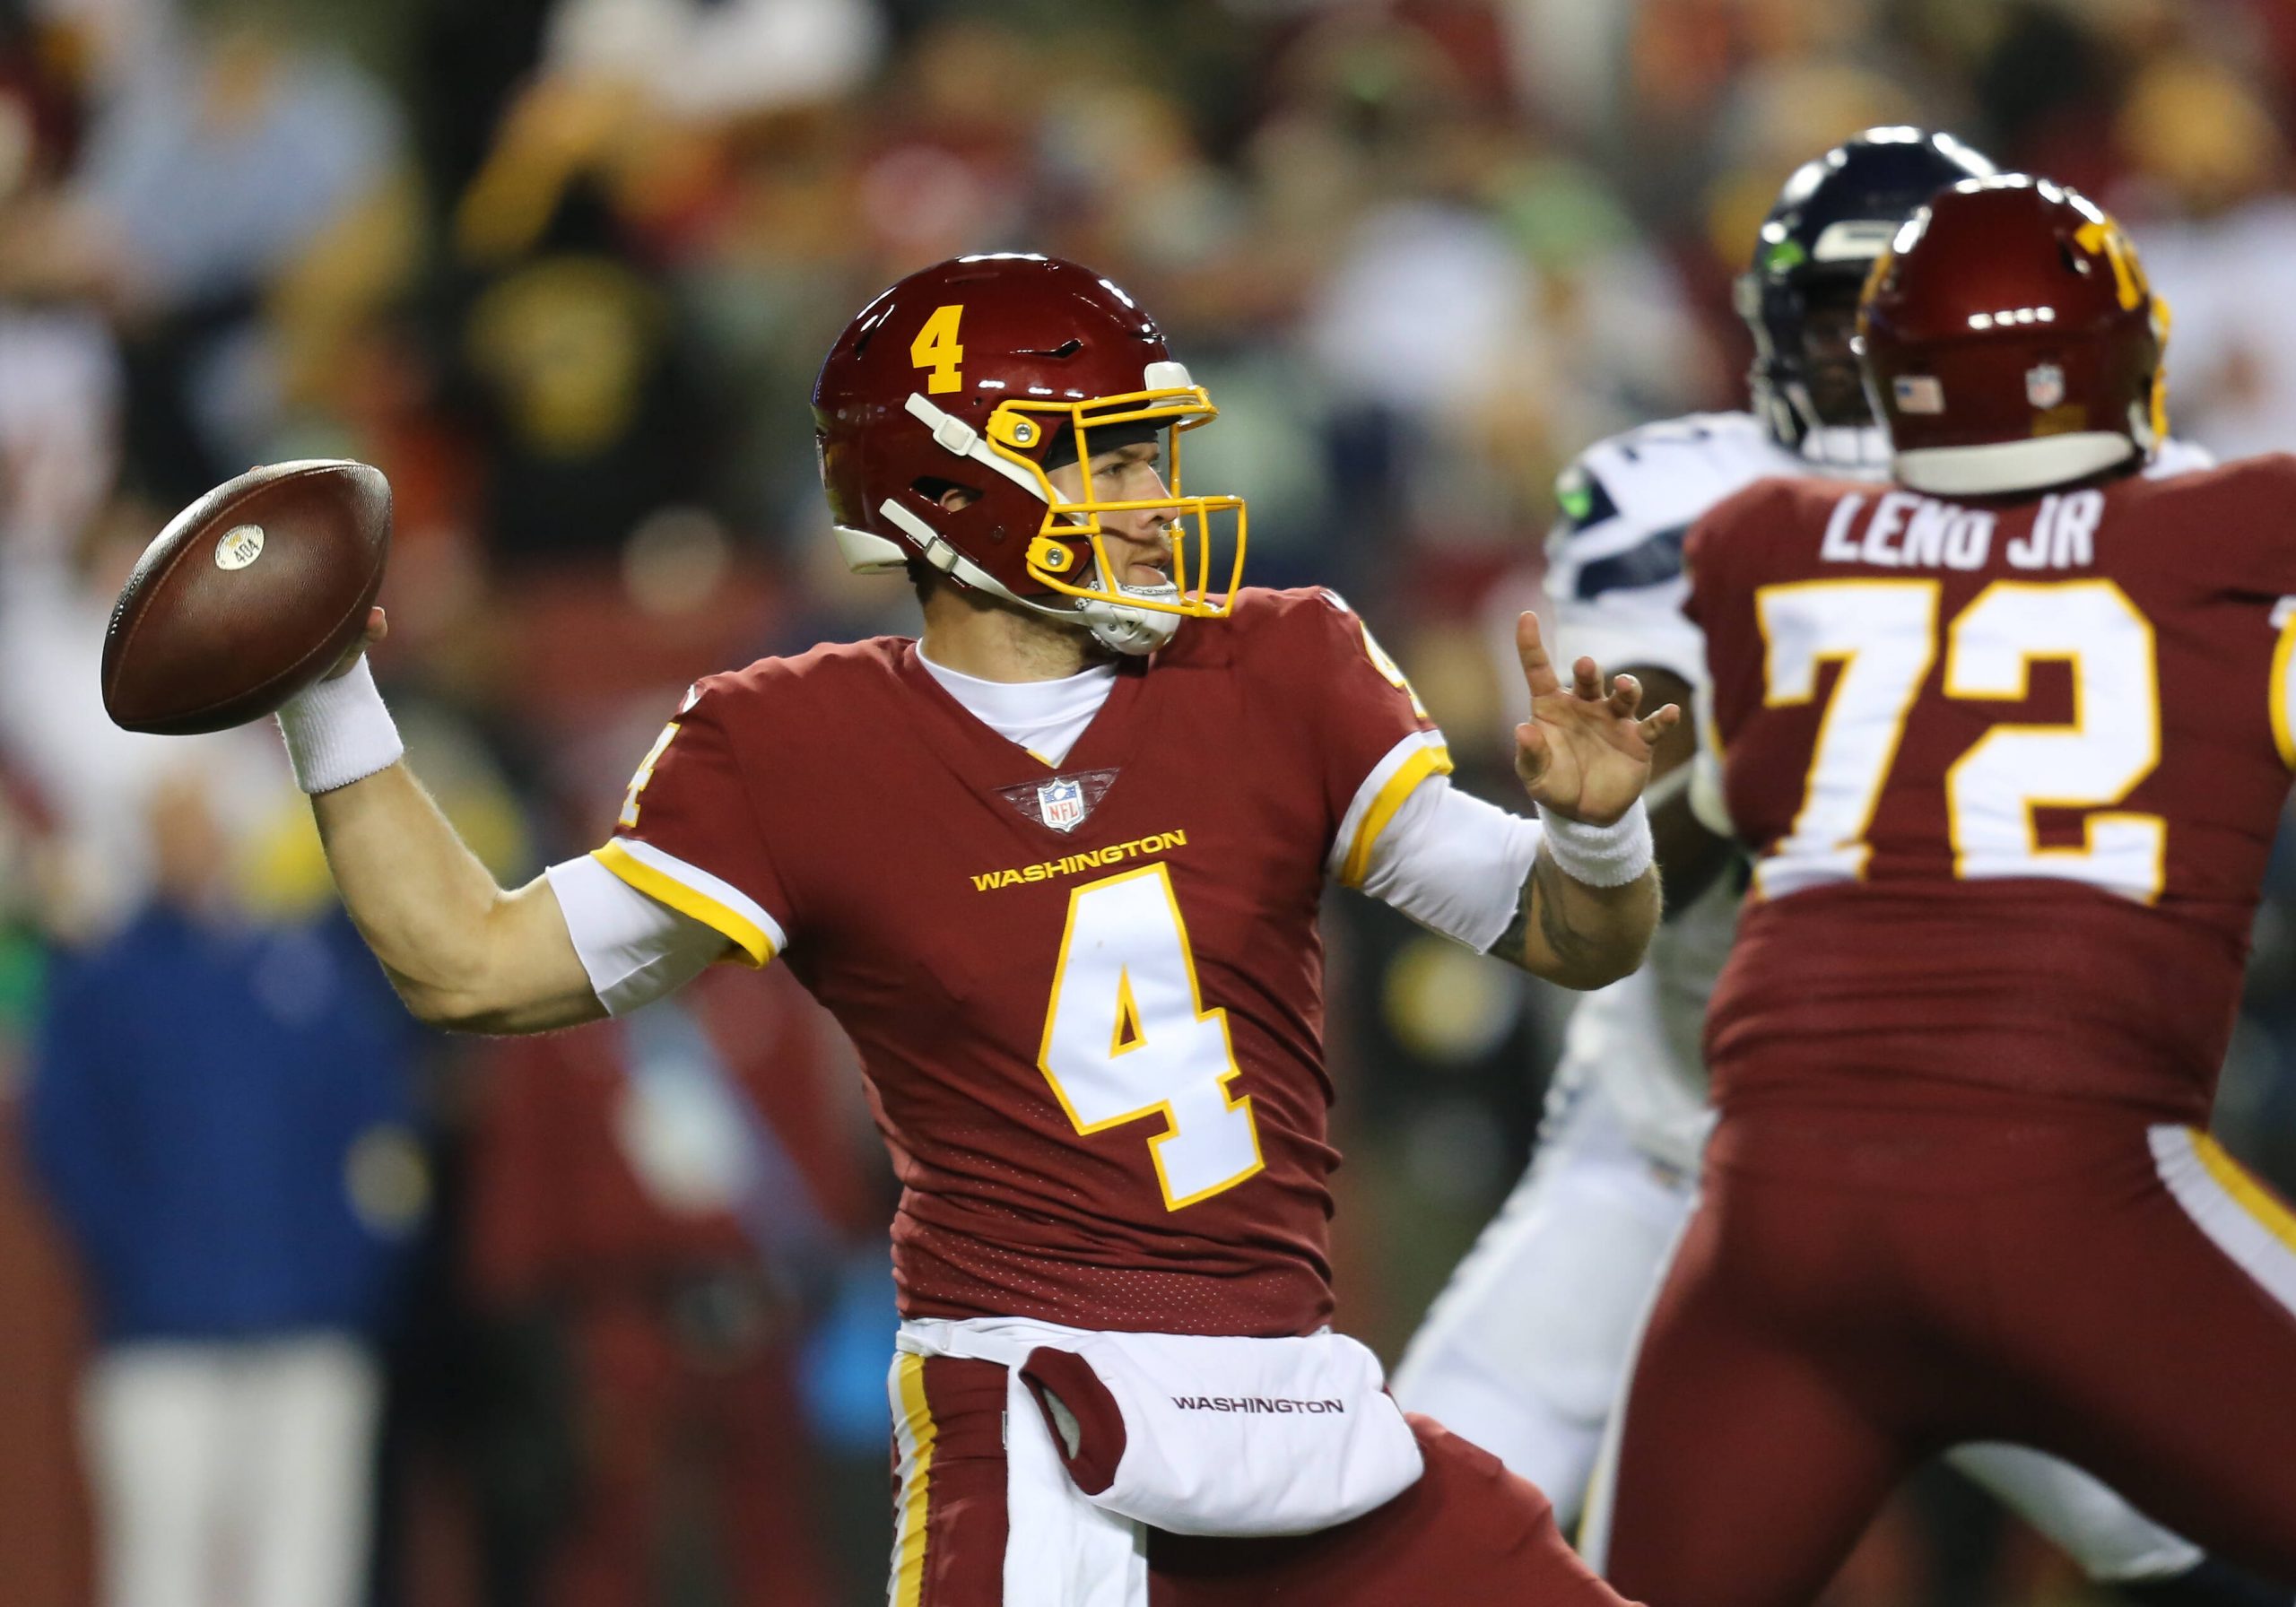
x: 1834, y: 216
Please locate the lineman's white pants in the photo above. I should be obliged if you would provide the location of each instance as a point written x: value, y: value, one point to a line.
x: 233, y: 1475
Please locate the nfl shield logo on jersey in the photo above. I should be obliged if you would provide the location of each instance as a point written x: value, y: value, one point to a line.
x: 1064, y: 803
x: 1060, y: 804
x: 2045, y: 385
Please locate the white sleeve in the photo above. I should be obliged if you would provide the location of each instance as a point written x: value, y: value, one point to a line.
x: 635, y: 948
x: 1453, y: 862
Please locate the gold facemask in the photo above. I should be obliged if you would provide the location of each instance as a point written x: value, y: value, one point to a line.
x: 1019, y: 425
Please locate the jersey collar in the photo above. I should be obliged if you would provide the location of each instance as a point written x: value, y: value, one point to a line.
x: 990, y: 764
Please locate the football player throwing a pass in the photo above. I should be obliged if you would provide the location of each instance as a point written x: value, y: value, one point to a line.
x: 1531, y: 1340
x: 2010, y: 740
x: 1054, y: 866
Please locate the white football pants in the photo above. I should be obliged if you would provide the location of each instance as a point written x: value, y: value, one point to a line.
x: 233, y: 1475
x: 1524, y: 1350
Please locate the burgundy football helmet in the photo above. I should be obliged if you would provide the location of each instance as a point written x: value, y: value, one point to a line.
x: 2012, y: 341
x: 983, y: 373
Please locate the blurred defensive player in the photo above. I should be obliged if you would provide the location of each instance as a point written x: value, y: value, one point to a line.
x: 1055, y: 867
x: 1530, y: 1343
x: 2010, y: 741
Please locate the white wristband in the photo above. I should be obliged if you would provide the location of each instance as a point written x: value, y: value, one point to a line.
x: 338, y: 732
x: 1608, y: 856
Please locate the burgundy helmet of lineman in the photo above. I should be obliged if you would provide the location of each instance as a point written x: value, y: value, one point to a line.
x: 983, y: 373
x: 2012, y: 342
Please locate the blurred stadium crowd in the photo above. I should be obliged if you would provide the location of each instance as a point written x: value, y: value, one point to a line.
x: 608, y: 1311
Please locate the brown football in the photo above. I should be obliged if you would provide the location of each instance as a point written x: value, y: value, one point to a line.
x: 248, y: 595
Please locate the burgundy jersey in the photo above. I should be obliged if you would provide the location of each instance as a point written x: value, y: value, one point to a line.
x: 2010, y: 774
x: 1088, y: 997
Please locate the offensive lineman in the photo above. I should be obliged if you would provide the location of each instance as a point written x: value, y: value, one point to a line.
x: 1530, y: 1342
x: 2010, y: 742
x: 1055, y: 867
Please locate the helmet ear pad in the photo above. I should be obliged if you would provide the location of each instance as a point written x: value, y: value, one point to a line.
x: 999, y: 512
x: 987, y: 522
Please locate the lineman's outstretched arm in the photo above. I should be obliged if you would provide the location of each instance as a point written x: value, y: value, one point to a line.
x: 462, y: 953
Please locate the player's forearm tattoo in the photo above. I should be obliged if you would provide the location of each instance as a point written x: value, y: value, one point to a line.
x: 1542, y: 899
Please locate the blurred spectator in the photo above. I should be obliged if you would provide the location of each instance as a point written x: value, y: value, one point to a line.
x: 222, y: 1116
x: 658, y: 1204
x: 65, y: 547
x: 703, y: 58
x: 2209, y: 157
x: 242, y: 197
x: 587, y: 388
x: 59, y: 425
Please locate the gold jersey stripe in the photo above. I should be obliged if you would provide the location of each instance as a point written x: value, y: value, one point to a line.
x: 756, y: 946
x: 1416, y: 768
x: 2283, y: 734
x: 918, y: 1434
x: 2251, y: 1196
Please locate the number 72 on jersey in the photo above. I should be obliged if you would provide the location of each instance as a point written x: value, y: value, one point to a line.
x: 1884, y: 635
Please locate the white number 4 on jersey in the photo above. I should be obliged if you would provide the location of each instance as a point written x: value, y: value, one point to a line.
x: 1126, y: 1036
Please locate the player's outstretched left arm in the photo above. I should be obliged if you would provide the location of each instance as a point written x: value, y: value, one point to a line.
x: 1583, y: 757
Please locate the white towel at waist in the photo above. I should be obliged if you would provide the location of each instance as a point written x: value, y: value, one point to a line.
x: 1106, y: 1433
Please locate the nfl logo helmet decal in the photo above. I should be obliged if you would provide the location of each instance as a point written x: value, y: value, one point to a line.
x: 2045, y: 385
x: 1060, y: 804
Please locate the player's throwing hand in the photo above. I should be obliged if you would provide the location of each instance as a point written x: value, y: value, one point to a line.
x: 377, y: 627
x: 1582, y: 753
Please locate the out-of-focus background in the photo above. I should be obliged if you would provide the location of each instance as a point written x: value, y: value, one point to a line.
x: 611, y: 1308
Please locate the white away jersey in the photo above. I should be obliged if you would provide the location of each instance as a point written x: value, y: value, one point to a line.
x: 1614, y: 589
